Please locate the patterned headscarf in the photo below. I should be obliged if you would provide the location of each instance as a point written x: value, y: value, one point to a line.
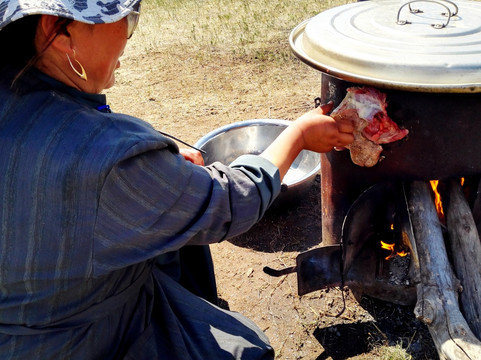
x: 87, y: 11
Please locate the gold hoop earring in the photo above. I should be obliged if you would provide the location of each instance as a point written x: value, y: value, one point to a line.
x: 82, y: 74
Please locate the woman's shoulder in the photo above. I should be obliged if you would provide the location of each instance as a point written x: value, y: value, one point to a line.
x: 86, y: 112
x: 114, y: 130
x: 75, y: 120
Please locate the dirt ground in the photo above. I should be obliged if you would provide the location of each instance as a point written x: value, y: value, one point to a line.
x: 188, y: 97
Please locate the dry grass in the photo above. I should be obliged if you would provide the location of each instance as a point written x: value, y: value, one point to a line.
x: 239, y: 27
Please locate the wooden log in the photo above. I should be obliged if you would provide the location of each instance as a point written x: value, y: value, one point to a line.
x: 465, y: 246
x: 476, y: 210
x: 437, y: 291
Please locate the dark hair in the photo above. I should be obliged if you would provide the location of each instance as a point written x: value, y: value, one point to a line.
x: 18, y: 38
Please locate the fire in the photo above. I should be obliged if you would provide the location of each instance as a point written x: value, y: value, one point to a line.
x: 391, y: 247
x: 437, y: 200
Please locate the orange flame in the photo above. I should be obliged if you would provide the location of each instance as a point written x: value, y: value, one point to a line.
x: 437, y: 199
x: 389, y: 247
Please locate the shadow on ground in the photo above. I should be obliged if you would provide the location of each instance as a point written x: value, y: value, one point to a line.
x: 393, y: 325
x: 293, y: 227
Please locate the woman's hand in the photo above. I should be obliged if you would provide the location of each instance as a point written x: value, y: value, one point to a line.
x: 313, y: 131
x: 193, y: 156
x: 321, y: 133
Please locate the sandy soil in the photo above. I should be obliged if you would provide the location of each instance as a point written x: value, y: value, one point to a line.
x: 186, y: 96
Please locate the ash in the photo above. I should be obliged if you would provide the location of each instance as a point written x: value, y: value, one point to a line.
x: 399, y: 270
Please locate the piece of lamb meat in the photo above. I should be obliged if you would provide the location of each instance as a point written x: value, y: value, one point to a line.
x: 366, y: 107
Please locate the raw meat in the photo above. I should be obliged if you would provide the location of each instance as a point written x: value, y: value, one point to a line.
x: 366, y: 106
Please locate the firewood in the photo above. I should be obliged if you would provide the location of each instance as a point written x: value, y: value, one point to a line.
x: 477, y: 208
x: 437, y: 290
x: 465, y: 249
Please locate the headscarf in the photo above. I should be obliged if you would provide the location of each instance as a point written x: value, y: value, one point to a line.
x: 87, y: 11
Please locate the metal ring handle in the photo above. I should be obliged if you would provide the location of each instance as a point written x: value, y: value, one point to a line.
x: 437, y: 26
x: 456, y: 9
x: 453, y: 13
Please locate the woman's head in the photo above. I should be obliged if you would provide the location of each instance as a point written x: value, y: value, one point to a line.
x: 78, y: 44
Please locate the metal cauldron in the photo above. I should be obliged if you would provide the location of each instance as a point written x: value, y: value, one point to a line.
x: 425, y: 56
x: 431, y: 75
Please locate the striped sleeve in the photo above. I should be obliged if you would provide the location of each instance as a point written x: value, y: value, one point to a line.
x: 157, y: 202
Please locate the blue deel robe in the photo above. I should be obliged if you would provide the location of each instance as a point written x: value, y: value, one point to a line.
x: 93, y: 205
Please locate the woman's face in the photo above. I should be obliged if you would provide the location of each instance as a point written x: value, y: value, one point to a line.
x: 98, y: 48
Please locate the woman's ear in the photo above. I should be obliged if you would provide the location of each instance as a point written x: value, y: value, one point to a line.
x: 48, y: 34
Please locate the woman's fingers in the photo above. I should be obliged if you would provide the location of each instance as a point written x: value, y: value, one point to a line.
x: 326, y: 108
x: 193, y: 156
x: 344, y: 138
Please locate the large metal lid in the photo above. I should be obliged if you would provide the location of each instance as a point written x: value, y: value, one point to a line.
x: 437, y: 49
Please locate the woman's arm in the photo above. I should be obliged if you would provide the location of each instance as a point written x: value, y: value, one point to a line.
x: 312, y: 131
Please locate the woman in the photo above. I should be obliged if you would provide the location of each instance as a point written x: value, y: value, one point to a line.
x: 99, y: 212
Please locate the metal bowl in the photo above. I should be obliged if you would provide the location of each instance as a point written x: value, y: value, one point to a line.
x: 227, y: 143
